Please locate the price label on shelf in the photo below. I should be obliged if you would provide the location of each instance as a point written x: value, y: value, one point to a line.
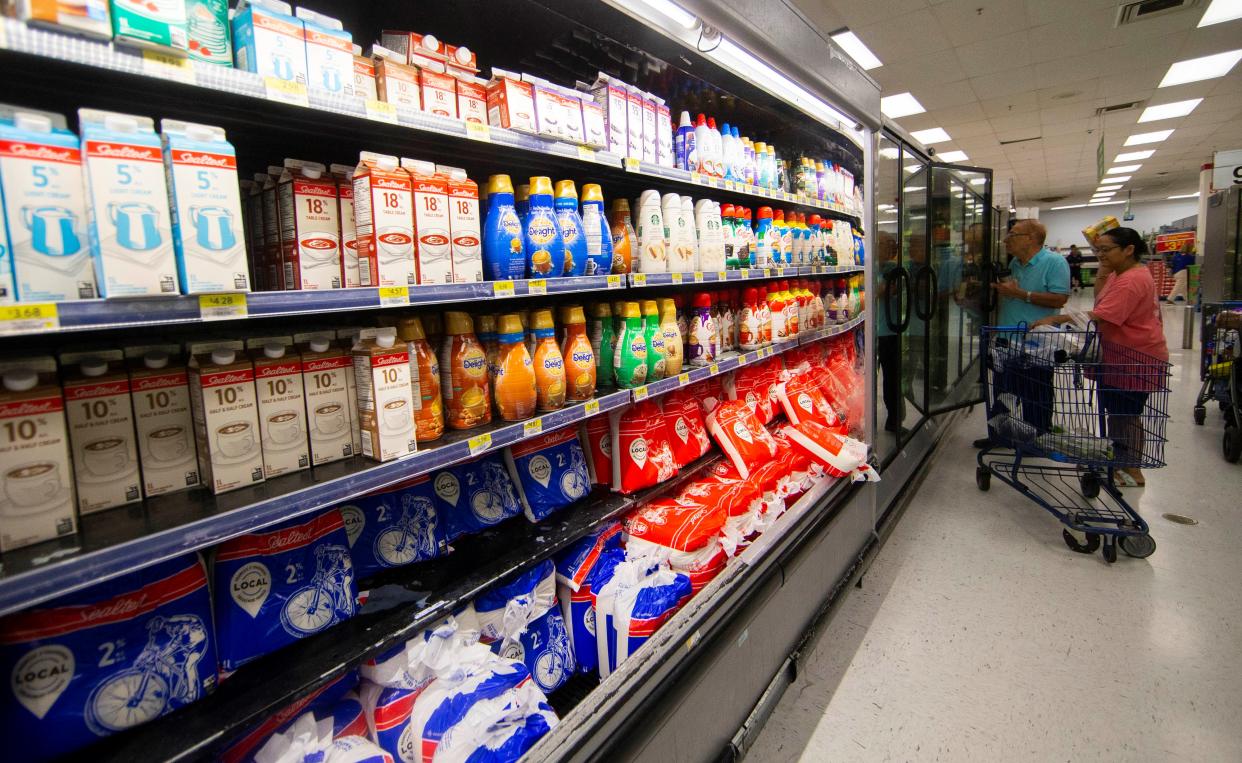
x: 164, y: 66
x: 477, y: 131
x: 614, y: 282
x: 741, y: 360
x: 730, y: 185
x: 631, y: 164
x: 640, y: 279
x: 29, y: 318
x: 683, y: 379
x: 698, y: 276
x: 640, y: 393
x: 696, y: 177
x: 532, y: 428
x: 381, y: 111
x: 502, y: 288
x: 219, y: 307
x: 590, y: 408
x: 745, y: 273
x: 586, y: 154
x: 479, y: 443
x: 286, y: 91
x: 537, y: 286
x: 722, y: 275
x: 390, y: 296
x: 714, y: 368
x: 675, y: 277
x: 779, y: 272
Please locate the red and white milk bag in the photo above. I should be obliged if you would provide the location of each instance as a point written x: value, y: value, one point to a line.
x: 801, y: 398
x: 750, y: 383
x: 740, y: 435
x: 596, y: 438
x: 684, y: 533
x: 839, y: 454
x: 741, y: 501
x: 709, y: 393
x: 643, y: 456
x: 687, y: 432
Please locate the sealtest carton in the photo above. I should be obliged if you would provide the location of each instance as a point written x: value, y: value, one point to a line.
x: 384, y: 220
x: 395, y: 81
x: 385, y: 399
x: 90, y: 18
x: 438, y: 91
x: 42, y: 189
x: 664, y: 134
x: 650, y: 138
x: 464, y: 225
x: 225, y: 412
x: 416, y: 49
x: 127, y: 202
x: 206, y: 208
x: 510, y: 102
x: 329, y: 52
x: 549, y: 119
x: 163, y: 425
x: 36, y: 475
x: 569, y: 102
x: 343, y: 175
x: 612, y: 98
x: 345, y: 339
x: 281, y: 401
x: 310, y: 227
x: 431, y: 222
x: 101, y: 429
x: 159, y: 24
x: 273, y: 250
x: 460, y: 61
x: 594, y: 125
x: 364, y: 76
x: 326, y: 369
x: 269, y: 40
x: 634, y: 122
x: 471, y: 99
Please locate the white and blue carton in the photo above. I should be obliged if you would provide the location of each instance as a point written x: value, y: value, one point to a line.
x: 205, y: 200
x: 269, y: 40
x: 127, y: 203
x: 329, y: 53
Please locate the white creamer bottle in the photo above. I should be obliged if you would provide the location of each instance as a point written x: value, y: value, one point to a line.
x: 711, y: 235
x: 652, y: 256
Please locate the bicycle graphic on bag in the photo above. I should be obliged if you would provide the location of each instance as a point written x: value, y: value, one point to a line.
x: 327, y: 600
x: 412, y: 538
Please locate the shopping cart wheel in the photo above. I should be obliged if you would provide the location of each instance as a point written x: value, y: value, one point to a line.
x: 1090, y: 547
x: 1138, y: 546
x: 1090, y: 483
x: 1231, y: 445
x: 1110, y: 551
x: 1200, y: 415
x: 983, y: 478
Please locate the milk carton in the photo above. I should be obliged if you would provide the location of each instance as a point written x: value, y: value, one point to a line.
x: 633, y: 122
x: 86, y: 17
x: 8, y: 295
x: 345, y: 339
x: 431, y: 222
x: 127, y: 204
x: 273, y: 252
x: 151, y: 23
x: 343, y: 175
x: 570, y: 105
x: 310, y: 228
x: 417, y: 49
x: 326, y: 369
x: 36, y: 476
x: 281, y: 401
x: 395, y: 82
x: 101, y: 429
x: 44, y: 208
x: 206, y: 208
x: 664, y: 134
x: 364, y: 75
x: 460, y: 61
x: 384, y: 219
x: 160, y: 388
x: 650, y: 138
x: 548, y: 116
x: 329, y: 52
x: 385, y: 401
x: 225, y: 412
x: 613, y: 99
x: 472, y: 100
x: 510, y: 102
x: 269, y: 41
x: 207, y: 22
x: 438, y: 91
x: 252, y: 208
x: 594, y: 125
x: 464, y: 227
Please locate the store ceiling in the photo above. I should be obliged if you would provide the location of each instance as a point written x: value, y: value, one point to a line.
x: 993, y: 71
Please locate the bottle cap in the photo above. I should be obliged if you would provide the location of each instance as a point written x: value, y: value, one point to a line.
x: 159, y: 358
x: 701, y: 121
x: 763, y: 294
x: 542, y: 319
x: 273, y: 350
x: 711, y: 123
x: 778, y: 215
x: 573, y: 316
x: 20, y: 379
x: 726, y: 210
x: 750, y: 296
x: 456, y: 322
x: 592, y: 192
x: 618, y: 309
x: 510, y: 323
x: 702, y: 299
x: 93, y: 367
x: 631, y: 310
x: 565, y: 189
x: 667, y: 308
x: 621, y: 205
x: 765, y: 213
x: 679, y: 301
x: 486, y: 322
x: 746, y: 213
x: 223, y: 356
x: 725, y: 129
x: 523, y: 192
x: 540, y: 184
x: 815, y: 220
x: 685, y: 119
x: 499, y: 184
x: 601, y: 310
x: 735, y: 132
x: 410, y: 329
x: 650, y: 308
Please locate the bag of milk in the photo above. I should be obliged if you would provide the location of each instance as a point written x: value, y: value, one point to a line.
x: 597, y: 446
x: 348, y: 718
x: 395, y: 526
x: 519, y: 619
x: 744, y: 502
x: 687, y: 432
x: 550, y: 472
x: 500, y: 729
x: 477, y: 494
x: 576, y: 568
x: 801, y: 398
x: 841, y: 455
x: 681, y: 531
x: 631, y: 604
x: 740, y: 435
x: 114, y: 655
x: 309, y: 740
x: 644, y: 456
x: 321, y: 702
x: 281, y: 584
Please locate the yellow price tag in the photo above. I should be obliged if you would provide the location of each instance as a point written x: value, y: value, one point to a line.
x: 696, y: 177
x: 586, y: 154
x: 164, y: 66
x: 722, y: 275
x: 479, y: 443
x: 590, y: 408
x: 714, y: 368
x: 698, y: 276
x: 745, y: 273
x: 502, y: 288
x: 390, y: 296
x: 640, y: 392
x: 767, y: 272
x: 477, y: 131
x: 640, y: 279
x: 217, y: 307
x: 532, y: 427
x: 675, y: 277
x: 683, y: 379
x: 741, y: 360
x: 381, y: 111
x: 614, y: 282
x: 286, y: 91
x: 537, y: 286
x: 631, y: 164
x: 29, y: 318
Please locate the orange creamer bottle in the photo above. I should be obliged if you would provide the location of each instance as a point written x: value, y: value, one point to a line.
x: 623, y: 236
x: 463, y: 374
x: 424, y: 381
x: 579, y: 357
x: 515, y: 372
x: 549, y: 363
x: 486, y: 325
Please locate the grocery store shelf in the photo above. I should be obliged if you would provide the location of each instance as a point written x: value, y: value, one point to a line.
x: 121, y: 540
x: 827, y: 331
x: 745, y: 274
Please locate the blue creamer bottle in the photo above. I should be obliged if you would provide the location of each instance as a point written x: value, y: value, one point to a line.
x: 503, y: 257
x: 572, y: 230
x: 596, y: 230
x: 544, y: 244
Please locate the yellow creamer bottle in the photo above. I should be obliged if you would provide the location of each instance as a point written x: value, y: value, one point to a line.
x: 424, y: 381
x: 673, y: 350
x: 579, y: 357
x: 463, y: 374
x: 515, y: 372
x: 549, y: 363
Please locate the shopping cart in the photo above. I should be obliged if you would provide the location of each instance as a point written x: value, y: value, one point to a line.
x: 1222, y: 377
x: 1065, y: 410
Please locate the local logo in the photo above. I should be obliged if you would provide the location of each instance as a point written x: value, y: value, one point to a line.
x: 355, y: 520
x: 682, y: 429
x: 395, y: 239
x: 448, y: 488
x: 739, y: 429
x: 319, y: 243
x: 250, y: 586
x: 540, y: 470
x: 638, y: 451
x: 804, y: 401
x: 41, y: 676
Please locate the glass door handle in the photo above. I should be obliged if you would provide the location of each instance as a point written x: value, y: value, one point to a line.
x: 924, y: 311
x: 906, y: 304
x: 933, y: 292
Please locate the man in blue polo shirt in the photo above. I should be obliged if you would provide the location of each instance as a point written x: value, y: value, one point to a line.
x: 1039, y: 286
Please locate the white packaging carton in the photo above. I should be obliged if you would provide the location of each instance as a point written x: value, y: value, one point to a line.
x: 345, y: 339
x: 44, y: 208
x: 633, y: 122
x: 385, y: 400
x: 36, y: 475
x: 127, y: 202
x: 570, y: 103
x: 269, y: 40
x: 87, y: 17
x: 548, y: 117
x: 364, y: 76
x: 395, y: 81
x: 384, y: 220
x: 310, y: 227
x: 281, y: 401
x: 158, y: 24
x: 100, y: 413
x: 464, y: 225
x: 326, y: 370
x: 329, y: 53
x: 431, y: 222
x: 612, y: 98
x: 163, y: 425
x: 594, y: 125
x: 510, y: 102
x: 472, y: 100
x: 343, y: 174
x: 206, y: 208
x: 650, y: 137
x: 225, y: 411
x: 438, y: 91
x: 664, y: 134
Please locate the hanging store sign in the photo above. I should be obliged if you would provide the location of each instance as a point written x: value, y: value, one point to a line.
x: 1227, y: 169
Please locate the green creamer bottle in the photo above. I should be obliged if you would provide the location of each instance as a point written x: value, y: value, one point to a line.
x: 604, y: 343
x: 630, y: 362
x: 654, y: 334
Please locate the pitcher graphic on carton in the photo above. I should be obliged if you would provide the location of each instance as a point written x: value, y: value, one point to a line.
x: 44, y: 208
x: 127, y: 203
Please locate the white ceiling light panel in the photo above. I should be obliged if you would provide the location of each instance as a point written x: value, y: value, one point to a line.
x: 1194, y: 195
x: 930, y: 136
x: 900, y: 105
x: 1148, y: 137
x: 1198, y: 69
x: 1120, y: 178
x: 1169, y: 110
x: 861, y: 54
x: 1122, y: 169
x: 1133, y: 156
x: 953, y: 156
x: 1221, y: 11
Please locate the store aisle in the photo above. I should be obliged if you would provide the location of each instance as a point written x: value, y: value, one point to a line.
x: 977, y: 634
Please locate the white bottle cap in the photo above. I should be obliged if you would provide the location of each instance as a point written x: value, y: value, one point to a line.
x: 273, y: 350
x: 385, y: 340
x: 319, y: 344
x: 223, y: 356
x: 93, y: 367
x: 20, y: 379
x: 155, y: 359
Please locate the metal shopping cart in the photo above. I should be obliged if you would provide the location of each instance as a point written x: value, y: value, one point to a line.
x: 1065, y: 410
x: 1221, y: 340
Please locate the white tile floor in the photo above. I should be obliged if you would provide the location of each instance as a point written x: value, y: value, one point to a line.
x: 977, y: 635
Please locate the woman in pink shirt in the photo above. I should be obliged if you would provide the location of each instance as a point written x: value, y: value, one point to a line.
x: 1127, y: 313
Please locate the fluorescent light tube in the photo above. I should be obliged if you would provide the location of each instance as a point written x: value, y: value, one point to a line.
x: 1103, y: 203
x: 666, y: 9
x: 1133, y: 156
x: 1169, y: 110
x: 861, y: 54
x: 1196, y: 69
x: 900, y: 105
x: 979, y: 181
x: 930, y: 136
x: 1123, y: 168
x: 1067, y: 206
x: 1147, y: 137
x: 1219, y: 12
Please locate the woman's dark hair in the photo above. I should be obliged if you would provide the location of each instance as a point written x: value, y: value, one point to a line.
x: 1128, y: 237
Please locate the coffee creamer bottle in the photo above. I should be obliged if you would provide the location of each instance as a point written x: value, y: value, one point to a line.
x: 516, y: 395
x: 657, y: 355
x: 652, y: 256
x: 603, y: 343
x: 579, y: 354
x: 424, y: 381
x: 503, y: 258
x: 567, y: 217
x: 487, y: 337
x: 630, y: 360
x: 463, y: 374
x: 711, y: 237
x: 595, y: 229
x: 549, y: 363
x: 702, y: 332
x: 521, y: 201
x: 544, y: 244
x: 673, y: 350
x: 624, y: 239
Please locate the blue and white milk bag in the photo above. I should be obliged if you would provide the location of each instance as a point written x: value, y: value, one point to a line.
x: 520, y: 620
x: 322, y: 702
x: 476, y: 495
x: 115, y: 655
x: 274, y: 587
x: 631, y: 605
x: 393, y: 527
x: 550, y: 472
x: 499, y: 730
x: 310, y: 740
x: 576, y: 568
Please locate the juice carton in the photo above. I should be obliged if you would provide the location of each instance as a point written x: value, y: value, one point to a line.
x: 152, y: 23
x: 649, y: 127
x: 329, y: 52
x: 364, y: 75
x: 343, y: 174
x: 36, y: 479
x: 612, y: 98
x: 384, y: 219
x: 207, y: 22
x: 633, y: 122
x: 269, y: 40
x: 396, y: 82
x: 385, y: 400
x: 431, y: 222
x: 281, y: 401
x: 127, y: 202
x: 206, y: 208
x: 85, y: 17
x: 472, y: 99
x: 326, y: 368
x: 438, y: 91
x: 464, y: 225
x: 224, y: 407
x: 510, y: 102
x: 310, y: 228
x: 101, y: 429
x: 160, y: 389
x: 44, y: 207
